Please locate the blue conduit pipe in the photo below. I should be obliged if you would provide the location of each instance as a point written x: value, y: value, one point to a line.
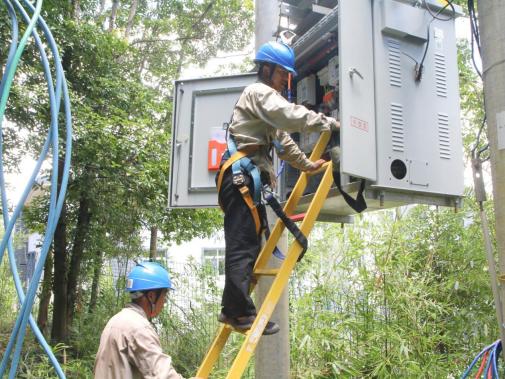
x: 56, y: 197
x: 12, y: 261
x: 491, y: 364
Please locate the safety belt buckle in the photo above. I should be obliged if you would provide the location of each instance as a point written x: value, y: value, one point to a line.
x: 244, y: 190
x: 238, y: 179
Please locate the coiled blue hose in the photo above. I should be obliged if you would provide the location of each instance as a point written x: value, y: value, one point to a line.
x: 56, y: 198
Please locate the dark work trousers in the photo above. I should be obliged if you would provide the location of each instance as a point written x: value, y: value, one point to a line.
x: 242, y: 248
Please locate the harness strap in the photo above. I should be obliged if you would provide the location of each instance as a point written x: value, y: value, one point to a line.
x: 250, y: 203
x: 235, y: 157
x: 244, y: 190
x: 290, y: 225
x: 247, y: 165
x: 277, y: 252
x: 358, y: 204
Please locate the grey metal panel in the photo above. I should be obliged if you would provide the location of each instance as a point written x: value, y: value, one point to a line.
x: 401, y: 21
x: 417, y: 122
x: 357, y: 101
x: 306, y: 44
x: 200, y: 106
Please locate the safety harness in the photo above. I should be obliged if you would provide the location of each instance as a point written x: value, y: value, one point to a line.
x: 241, y: 164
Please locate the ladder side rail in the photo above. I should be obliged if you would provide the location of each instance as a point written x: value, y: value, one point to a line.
x: 214, y: 351
x: 281, y: 280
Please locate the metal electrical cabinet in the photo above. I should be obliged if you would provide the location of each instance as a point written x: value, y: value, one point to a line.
x: 399, y: 132
x: 419, y: 144
x: 202, y: 108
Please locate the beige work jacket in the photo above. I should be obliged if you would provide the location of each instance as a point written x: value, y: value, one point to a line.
x: 130, y: 349
x: 262, y: 115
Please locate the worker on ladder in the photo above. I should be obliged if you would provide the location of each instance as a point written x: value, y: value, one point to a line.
x: 262, y: 120
x: 129, y: 346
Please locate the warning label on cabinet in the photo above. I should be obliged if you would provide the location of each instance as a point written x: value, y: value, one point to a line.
x: 359, y: 124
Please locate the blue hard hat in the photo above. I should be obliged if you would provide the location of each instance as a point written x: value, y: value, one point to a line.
x: 277, y: 53
x: 148, y: 276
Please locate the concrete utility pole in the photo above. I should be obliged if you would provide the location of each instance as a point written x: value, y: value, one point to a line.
x: 272, y: 352
x: 491, y: 14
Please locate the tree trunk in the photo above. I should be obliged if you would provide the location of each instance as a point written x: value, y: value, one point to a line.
x: 59, y: 328
x: 45, y: 294
x: 113, y: 14
x: 76, y: 10
x: 97, y: 269
x: 82, y: 228
x: 131, y: 16
x: 153, y: 246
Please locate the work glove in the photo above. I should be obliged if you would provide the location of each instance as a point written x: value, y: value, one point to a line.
x: 334, y: 124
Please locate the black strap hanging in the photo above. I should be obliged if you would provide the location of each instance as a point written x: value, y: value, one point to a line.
x: 290, y: 225
x: 358, y: 204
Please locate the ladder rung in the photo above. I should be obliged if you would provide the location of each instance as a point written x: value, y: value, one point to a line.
x: 266, y: 271
x: 241, y: 331
x: 298, y: 217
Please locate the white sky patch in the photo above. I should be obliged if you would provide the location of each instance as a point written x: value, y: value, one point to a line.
x: 16, y: 182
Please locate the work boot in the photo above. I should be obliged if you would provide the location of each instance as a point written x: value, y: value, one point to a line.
x: 245, y: 323
x: 239, y: 323
x: 271, y: 328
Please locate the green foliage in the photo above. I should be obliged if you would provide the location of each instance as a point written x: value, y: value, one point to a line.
x: 8, y: 299
x: 471, y: 99
x: 120, y: 72
x: 396, y: 295
x: 188, y: 327
x: 37, y: 366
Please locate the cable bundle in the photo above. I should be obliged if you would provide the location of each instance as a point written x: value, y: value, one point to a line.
x: 56, y: 91
x: 489, y: 362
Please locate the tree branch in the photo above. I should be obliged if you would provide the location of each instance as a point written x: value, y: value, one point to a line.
x: 113, y: 14
x: 204, y: 14
x: 131, y: 16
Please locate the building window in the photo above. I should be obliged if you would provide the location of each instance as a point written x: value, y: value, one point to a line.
x: 214, y: 258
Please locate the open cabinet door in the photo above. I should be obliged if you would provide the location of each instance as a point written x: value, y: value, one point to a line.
x: 202, y: 109
x: 357, y: 97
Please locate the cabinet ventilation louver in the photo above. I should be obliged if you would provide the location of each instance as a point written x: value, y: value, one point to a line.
x: 444, y: 142
x: 395, y: 72
x: 397, y: 127
x: 440, y: 75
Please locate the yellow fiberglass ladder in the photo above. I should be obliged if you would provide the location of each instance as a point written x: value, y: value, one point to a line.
x: 280, y: 275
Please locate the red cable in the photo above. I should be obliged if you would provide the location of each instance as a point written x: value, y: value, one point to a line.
x: 482, y: 365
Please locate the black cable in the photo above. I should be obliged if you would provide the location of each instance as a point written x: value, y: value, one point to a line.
x: 409, y: 56
x: 486, y: 147
x: 477, y: 139
x: 435, y: 16
x: 420, y: 65
x: 474, y: 26
x: 474, y: 23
